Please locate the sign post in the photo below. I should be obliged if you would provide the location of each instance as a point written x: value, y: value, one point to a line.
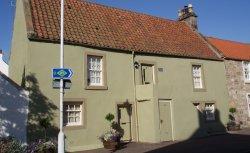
x: 61, y: 73
x: 61, y: 134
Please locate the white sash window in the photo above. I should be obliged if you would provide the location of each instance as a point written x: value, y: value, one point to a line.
x: 246, y: 69
x: 197, y: 77
x: 95, y: 76
x: 209, y: 111
x: 72, y: 114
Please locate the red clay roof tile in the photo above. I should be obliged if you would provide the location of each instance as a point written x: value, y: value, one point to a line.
x: 106, y: 27
x: 231, y: 49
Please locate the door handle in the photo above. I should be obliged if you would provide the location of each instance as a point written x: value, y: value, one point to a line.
x: 161, y: 121
x: 123, y: 123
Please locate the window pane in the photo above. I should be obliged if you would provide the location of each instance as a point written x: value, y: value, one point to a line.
x: 92, y: 80
x: 77, y: 107
x: 71, y: 119
x: 98, y: 74
x: 71, y: 107
x: 77, y: 119
x: 71, y: 114
x: 77, y: 113
x: 98, y: 80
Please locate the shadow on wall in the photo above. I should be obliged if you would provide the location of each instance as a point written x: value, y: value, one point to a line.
x: 41, y: 111
x: 13, y: 109
x: 207, y: 128
x: 195, y: 143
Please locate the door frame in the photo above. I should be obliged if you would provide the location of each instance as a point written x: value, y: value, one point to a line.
x: 171, y: 115
x: 125, y: 105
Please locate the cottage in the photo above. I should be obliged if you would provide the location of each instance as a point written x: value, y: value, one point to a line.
x: 156, y: 75
x: 237, y: 63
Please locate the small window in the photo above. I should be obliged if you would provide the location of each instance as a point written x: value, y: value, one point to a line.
x: 95, y: 70
x: 248, y: 104
x: 246, y: 69
x: 147, y: 74
x: 209, y: 111
x: 72, y: 114
x: 197, y: 77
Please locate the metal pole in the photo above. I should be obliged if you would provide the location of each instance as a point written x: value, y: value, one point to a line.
x: 61, y: 134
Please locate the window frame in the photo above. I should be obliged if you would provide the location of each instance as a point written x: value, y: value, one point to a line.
x: 201, y: 107
x: 204, y: 111
x: 203, y: 89
x: 248, y: 103
x: 154, y: 69
x: 104, y: 72
x: 83, y: 113
x: 243, y: 70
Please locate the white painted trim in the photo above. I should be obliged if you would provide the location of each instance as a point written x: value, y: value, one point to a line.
x: 248, y: 102
x: 171, y: 113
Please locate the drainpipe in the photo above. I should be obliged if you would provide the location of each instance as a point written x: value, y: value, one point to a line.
x: 135, y: 100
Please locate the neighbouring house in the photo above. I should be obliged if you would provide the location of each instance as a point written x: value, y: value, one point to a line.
x: 237, y: 63
x: 4, y: 68
x: 159, y: 77
x: 13, y: 109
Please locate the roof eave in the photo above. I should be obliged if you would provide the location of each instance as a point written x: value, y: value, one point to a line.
x: 33, y: 38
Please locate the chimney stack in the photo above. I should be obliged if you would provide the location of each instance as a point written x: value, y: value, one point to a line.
x: 187, y: 14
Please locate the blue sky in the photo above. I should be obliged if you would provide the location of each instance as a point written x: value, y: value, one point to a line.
x: 227, y: 19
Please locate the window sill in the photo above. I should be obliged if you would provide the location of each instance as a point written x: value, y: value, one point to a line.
x: 73, y: 127
x: 247, y: 81
x: 96, y: 87
x: 199, y: 90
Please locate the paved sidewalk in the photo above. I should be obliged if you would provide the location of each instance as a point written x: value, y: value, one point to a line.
x: 233, y: 142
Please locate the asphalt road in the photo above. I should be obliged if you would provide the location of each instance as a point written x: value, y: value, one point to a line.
x: 234, y: 142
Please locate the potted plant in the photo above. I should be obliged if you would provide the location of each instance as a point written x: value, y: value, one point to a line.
x: 111, y: 138
x: 232, y: 125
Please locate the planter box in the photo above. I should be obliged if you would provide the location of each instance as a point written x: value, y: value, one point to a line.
x: 233, y: 127
x: 112, y: 145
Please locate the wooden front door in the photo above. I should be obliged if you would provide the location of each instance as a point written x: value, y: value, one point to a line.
x: 165, y: 120
x: 124, y: 120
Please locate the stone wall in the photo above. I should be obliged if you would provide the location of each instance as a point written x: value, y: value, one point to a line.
x: 238, y: 90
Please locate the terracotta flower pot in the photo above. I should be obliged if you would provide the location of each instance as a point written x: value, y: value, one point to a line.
x: 110, y: 145
x: 233, y: 127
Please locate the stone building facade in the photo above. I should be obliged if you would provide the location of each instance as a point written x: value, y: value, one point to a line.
x: 237, y: 65
x: 238, y: 90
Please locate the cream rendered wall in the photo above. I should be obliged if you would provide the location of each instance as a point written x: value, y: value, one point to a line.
x: 175, y: 83
x: 45, y: 56
x: 19, y: 45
